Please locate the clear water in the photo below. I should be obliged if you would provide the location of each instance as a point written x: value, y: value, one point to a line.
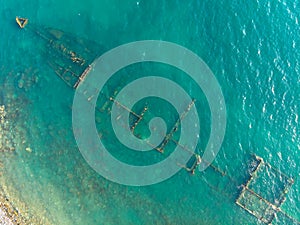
x: 253, y: 50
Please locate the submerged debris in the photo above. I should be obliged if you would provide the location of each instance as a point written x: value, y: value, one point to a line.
x: 22, y: 22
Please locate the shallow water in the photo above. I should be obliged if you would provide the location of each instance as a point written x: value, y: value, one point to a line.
x: 253, y: 50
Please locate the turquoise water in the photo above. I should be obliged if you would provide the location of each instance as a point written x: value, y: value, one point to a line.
x: 253, y: 50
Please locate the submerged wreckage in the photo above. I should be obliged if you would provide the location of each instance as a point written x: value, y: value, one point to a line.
x: 71, y: 59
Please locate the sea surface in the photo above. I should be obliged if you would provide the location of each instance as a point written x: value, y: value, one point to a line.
x: 253, y: 49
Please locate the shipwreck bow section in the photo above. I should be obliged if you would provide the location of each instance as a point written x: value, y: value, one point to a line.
x: 69, y: 56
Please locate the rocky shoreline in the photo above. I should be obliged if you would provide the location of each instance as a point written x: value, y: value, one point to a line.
x: 9, y: 214
x: 7, y: 143
x: 4, y: 220
x: 12, y: 210
x: 15, y: 212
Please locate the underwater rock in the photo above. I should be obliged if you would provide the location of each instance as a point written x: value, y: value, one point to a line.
x: 21, y: 84
x: 7, y: 138
x: 35, y: 79
x: 27, y: 79
x: 28, y: 149
x: 2, y: 114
